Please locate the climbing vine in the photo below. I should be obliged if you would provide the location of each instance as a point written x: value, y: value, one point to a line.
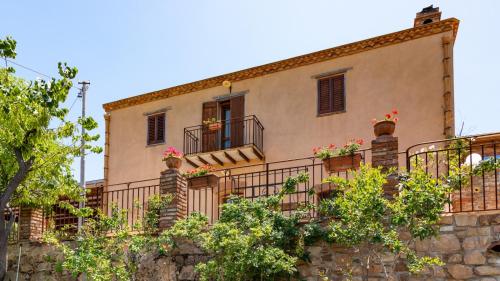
x: 107, y: 248
x: 253, y: 240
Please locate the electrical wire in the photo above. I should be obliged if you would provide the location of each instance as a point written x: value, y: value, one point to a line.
x: 35, y: 71
x: 42, y: 74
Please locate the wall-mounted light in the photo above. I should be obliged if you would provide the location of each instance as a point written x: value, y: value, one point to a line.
x: 227, y: 84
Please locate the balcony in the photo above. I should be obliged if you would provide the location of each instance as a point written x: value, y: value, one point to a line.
x: 226, y: 142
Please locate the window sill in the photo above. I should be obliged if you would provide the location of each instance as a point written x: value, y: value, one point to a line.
x: 155, y: 144
x: 331, y: 113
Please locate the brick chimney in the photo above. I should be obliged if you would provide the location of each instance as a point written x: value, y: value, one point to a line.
x: 427, y: 15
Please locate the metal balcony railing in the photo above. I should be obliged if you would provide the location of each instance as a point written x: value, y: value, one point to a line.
x: 226, y: 134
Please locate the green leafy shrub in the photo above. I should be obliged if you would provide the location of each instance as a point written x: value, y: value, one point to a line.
x: 371, y: 223
x: 106, y: 248
x: 253, y: 240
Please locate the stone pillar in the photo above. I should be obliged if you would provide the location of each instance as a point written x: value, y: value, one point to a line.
x: 30, y: 224
x: 174, y: 183
x: 385, y: 155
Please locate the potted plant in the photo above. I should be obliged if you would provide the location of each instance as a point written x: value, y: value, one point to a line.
x: 386, y: 126
x: 201, y: 177
x: 340, y: 159
x: 172, y: 157
x: 212, y: 124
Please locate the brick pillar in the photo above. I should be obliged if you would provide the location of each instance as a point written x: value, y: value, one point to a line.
x: 385, y: 155
x: 30, y: 224
x: 173, y: 182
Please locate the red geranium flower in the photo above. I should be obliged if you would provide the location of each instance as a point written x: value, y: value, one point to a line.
x: 395, y: 111
x: 388, y: 116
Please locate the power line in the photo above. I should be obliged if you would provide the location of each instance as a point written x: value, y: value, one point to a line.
x: 72, y: 104
x: 47, y: 76
x: 35, y: 71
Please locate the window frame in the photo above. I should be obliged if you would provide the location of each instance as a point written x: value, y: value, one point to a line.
x: 156, y: 141
x: 331, y: 94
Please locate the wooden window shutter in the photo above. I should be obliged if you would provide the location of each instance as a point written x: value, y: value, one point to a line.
x: 209, y: 138
x: 338, y: 93
x: 331, y: 94
x: 237, y: 105
x: 209, y: 110
x: 151, y: 129
x: 160, y: 128
x: 324, y: 96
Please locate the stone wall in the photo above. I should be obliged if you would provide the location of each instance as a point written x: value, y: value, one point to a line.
x: 463, y: 244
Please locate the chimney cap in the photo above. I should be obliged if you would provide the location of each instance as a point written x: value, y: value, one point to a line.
x: 429, y: 9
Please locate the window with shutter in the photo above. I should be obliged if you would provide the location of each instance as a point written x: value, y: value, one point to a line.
x: 331, y: 94
x: 156, y: 128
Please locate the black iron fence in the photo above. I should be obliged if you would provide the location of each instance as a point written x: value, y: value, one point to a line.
x: 14, y: 233
x: 469, y: 164
x: 130, y: 196
x: 224, y: 134
x: 261, y: 180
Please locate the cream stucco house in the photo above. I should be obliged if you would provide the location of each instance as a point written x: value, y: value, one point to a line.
x: 281, y: 110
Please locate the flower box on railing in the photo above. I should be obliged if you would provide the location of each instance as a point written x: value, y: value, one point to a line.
x: 205, y: 181
x: 215, y: 126
x: 342, y: 163
x: 340, y: 159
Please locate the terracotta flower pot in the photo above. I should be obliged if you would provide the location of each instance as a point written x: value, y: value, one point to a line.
x: 384, y: 128
x: 173, y: 162
x: 342, y: 163
x: 214, y: 126
x: 205, y: 181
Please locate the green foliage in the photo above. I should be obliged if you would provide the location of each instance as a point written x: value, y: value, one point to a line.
x: 152, y: 216
x: 107, y: 248
x: 253, y: 240
x: 37, y: 143
x: 488, y: 165
x: 96, y: 254
x: 364, y: 218
x: 419, y: 203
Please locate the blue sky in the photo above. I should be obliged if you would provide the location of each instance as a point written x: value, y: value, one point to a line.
x: 126, y: 48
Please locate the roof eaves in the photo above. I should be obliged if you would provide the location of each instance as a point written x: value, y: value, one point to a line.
x: 450, y: 24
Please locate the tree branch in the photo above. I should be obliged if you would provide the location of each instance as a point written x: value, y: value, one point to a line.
x: 18, y: 178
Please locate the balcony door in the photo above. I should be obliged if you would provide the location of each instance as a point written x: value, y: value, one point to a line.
x: 231, y: 133
x: 225, y: 113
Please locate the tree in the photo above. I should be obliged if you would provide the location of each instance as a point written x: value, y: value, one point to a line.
x: 252, y: 240
x: 374, y: 225
x: 101, y: 256
x: 37, y: 142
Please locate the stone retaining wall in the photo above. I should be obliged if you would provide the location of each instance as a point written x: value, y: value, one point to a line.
x: 463, y: 245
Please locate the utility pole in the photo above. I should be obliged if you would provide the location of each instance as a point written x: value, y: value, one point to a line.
x: 82, y: 94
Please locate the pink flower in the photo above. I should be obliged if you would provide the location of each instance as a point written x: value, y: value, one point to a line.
x: 172, y: 152
x: 331, y: 146
x: 396, y: 119
x: 360, y: 141
x: 395, y: 111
